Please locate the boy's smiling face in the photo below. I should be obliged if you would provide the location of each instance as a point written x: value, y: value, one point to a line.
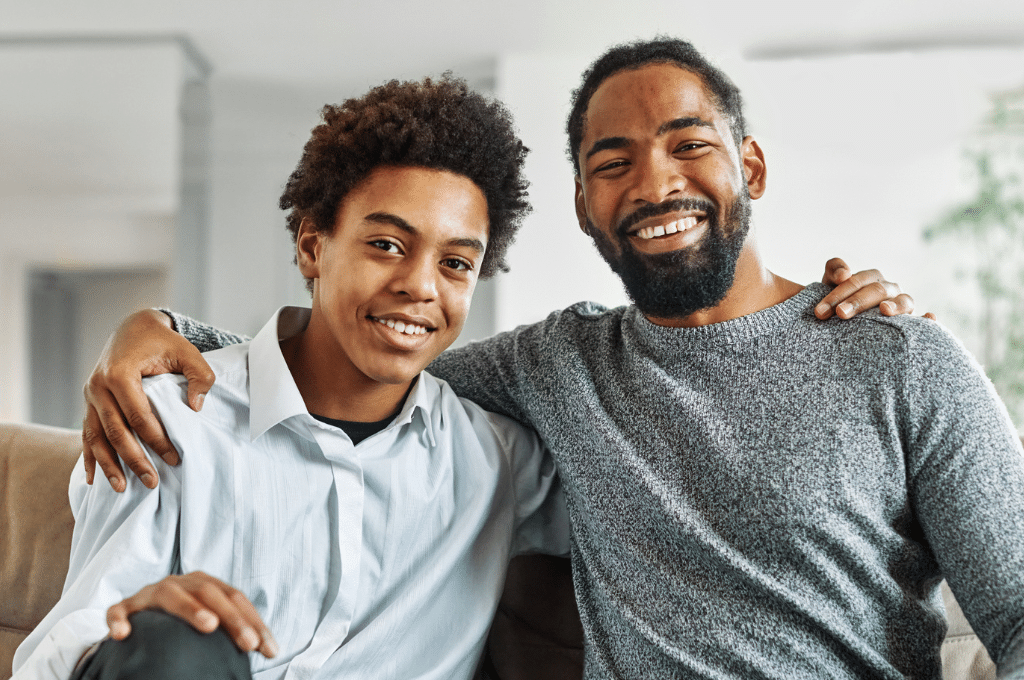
x: 394, y: 279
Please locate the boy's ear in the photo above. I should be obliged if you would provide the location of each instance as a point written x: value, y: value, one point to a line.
x: 307, y: 246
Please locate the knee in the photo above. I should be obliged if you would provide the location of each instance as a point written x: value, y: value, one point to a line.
x: 163, y: 647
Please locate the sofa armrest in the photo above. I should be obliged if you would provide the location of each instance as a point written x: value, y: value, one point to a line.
x: 35, y: 526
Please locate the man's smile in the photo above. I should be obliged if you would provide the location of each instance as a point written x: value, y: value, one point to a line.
x: 668, y: 231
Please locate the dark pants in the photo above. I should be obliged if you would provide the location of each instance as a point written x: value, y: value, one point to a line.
x: 163, y: 647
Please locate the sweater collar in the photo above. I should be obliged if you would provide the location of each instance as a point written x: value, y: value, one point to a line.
x: 727, y: 333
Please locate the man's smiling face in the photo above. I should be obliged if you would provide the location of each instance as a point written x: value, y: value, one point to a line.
x: 663, y: 189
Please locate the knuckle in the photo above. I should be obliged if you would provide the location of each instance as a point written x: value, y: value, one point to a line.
x: 877, y: 289
x: 117, y: 437
x: 136, y: 420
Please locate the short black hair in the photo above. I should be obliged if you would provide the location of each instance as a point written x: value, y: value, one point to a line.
x: 438, y: 124
x: 634, y: 55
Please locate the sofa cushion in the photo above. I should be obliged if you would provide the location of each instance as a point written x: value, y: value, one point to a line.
x: 35, y: 526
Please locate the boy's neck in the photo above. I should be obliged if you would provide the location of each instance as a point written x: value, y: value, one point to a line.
x: 331, y: 387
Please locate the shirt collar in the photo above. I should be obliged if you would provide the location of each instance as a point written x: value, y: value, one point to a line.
x: 274, y: 397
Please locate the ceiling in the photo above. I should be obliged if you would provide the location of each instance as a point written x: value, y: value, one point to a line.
x: 340, y: 43
x: 74, y: 120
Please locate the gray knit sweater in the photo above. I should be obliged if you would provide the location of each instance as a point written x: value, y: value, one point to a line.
x: 769, y: 497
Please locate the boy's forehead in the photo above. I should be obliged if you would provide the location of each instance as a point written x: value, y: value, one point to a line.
x: 425, y: 200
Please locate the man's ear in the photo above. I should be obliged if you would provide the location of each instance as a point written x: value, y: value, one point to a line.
x: 307, y: 247
x: 581, y: 206
x: 754, y: 168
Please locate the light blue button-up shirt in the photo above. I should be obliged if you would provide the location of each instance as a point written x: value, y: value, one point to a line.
x: 382, y: 560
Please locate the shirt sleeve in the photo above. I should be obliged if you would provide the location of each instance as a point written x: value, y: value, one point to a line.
x: 541, y: 517
x: 203, y: 336
x: 966, y: 471
x: 121, y: 543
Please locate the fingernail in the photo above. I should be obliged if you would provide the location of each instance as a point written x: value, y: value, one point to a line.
x: 845, y: 308
x: 887, y: 307
x: 199, y: 401
x: 148, y: 480
x: 822, y: 308
x: 206, y: 619
x: 119, y: 630
x: 250, y: 640
x: 115, y: 483
x: 269, y: 648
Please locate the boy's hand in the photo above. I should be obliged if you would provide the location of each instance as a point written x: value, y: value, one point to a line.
x: 205, y: 603
x: 855, y: 293
x: 143, y: 345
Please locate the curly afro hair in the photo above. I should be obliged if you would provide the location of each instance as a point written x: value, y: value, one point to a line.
x: 437, y: 124
x: 634, y: 55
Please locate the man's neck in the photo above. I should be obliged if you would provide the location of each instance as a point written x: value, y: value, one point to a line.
x: 332, y: 387
x: 753, y: 288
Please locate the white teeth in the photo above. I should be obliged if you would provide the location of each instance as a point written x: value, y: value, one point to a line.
x: 403, y: 327
x: 671, y: 228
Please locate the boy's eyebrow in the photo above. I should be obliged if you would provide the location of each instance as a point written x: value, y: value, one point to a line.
x: 396, y: 221
x: 675, y: 124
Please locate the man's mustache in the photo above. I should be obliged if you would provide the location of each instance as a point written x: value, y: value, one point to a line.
x: 655, y: 209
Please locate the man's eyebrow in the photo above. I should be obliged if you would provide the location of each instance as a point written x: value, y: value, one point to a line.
x: 396, y: 221
x: 681, y: 123
x: 676, y: 124
x: 607, y: 143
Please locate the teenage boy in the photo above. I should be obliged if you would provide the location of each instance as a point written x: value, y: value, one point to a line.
x: 330, y: 491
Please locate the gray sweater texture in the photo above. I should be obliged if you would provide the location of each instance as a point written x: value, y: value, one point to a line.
x: 769, y: 497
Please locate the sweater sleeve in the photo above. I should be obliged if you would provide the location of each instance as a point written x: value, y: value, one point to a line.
x: 204, y: 336
x: 966, y: 472
x: 495, y: 372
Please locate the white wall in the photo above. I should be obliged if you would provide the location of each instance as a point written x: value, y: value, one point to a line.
x: 88, y: 174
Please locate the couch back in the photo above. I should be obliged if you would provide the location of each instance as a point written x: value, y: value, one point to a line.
x: 536, y: 633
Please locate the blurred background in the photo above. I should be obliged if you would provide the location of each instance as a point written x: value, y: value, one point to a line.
x: 143, y: 147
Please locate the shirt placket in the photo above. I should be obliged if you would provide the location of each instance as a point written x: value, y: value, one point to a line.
x: 347, y: 555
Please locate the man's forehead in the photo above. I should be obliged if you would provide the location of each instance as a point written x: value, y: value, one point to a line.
x: 649, y: 97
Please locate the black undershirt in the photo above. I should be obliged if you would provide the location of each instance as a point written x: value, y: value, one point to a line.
x: 357, y: 432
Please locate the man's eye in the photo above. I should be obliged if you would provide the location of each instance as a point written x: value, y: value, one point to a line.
x: 690, y: 146
x: 386, y: 246
x: 611, y: 166
x: 457, y: 264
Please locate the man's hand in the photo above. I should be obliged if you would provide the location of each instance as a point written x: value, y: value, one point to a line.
x: 144, y: 345
x: 855, y: 293
x: 203, y: 602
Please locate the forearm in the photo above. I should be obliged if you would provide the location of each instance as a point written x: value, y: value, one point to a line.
x: 203, y: 336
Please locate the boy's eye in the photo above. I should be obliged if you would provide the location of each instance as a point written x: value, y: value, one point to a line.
x: 386, y: 246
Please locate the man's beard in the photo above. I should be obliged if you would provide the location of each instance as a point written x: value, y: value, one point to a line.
x: 676, y: 284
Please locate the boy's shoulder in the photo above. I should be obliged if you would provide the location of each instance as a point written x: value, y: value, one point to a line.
x: 489, y: 428
x: 230, y: 367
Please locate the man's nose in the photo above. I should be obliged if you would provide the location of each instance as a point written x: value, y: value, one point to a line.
x: 656, y: 180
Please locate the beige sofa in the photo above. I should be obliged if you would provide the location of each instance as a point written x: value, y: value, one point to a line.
x: 536, y: 634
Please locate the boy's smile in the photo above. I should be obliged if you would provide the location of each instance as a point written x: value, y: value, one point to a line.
x: 392, y: 286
